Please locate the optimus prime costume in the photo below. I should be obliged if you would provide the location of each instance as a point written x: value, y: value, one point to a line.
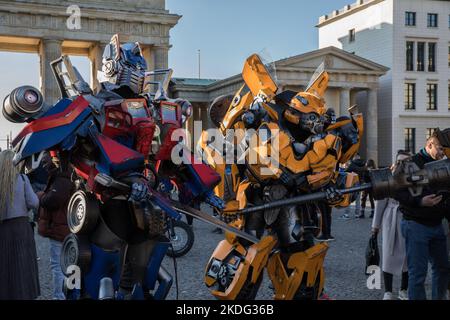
x: 115, y: 140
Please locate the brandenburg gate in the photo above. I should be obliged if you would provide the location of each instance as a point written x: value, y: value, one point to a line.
x: 52, y: 28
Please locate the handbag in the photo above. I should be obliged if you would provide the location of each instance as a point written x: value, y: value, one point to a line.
x: 372, y: 253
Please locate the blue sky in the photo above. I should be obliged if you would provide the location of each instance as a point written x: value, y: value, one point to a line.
x: 228, y: 31
x: 225, y: 31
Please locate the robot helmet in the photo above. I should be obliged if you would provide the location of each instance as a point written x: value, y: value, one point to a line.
x: 123, y: 66
x: 307, y: 111
x: 307, y: 108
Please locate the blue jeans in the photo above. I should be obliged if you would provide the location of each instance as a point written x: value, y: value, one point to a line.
x: 423, y: 244
x: 55, y: 265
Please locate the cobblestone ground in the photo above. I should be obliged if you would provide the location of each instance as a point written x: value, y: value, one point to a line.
x: 344, y: 264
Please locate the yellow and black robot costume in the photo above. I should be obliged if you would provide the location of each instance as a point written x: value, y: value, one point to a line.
x: 281, y: 146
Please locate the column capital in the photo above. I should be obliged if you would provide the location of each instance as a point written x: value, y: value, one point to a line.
x: 98, y: 44
x: 50, y: 40
x: 160, y: 47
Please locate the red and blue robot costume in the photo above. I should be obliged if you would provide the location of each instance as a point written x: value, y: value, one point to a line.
x: 117, y: 215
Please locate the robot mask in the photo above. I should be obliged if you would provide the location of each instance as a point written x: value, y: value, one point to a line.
x: 312, y: 122
x: 123, y: 66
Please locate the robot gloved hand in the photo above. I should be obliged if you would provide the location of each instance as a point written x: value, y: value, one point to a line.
x: 139, y: 191
x: 333, y: 195
x: 215, y: 201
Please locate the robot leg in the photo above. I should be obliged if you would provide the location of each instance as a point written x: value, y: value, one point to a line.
x: 97, y: 256
x: 143, y: 269
x: 235, y: 268
x: 306, y: 277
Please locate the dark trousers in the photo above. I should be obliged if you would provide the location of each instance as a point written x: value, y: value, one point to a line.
x: 364, y: 196
x: 388, y: 279
x: 426, y: 244
x: 326, y: 219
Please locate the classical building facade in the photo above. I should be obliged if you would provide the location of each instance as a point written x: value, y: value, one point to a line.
x: 52, y: 28
x: 412, y: 38
x: 351, y: 78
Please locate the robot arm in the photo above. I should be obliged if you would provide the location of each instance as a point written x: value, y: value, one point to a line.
x: 194, y: 179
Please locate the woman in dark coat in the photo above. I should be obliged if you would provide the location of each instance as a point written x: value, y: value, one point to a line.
x: 19, y: 277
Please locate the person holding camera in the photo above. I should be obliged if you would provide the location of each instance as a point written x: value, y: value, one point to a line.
x: 423, y: 231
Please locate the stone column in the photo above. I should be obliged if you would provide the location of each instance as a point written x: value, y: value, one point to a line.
x: 49, y: 50
x: 149, y: 56
x: 95, y: 56
x: 157, y: 58
x: 161, y: 57
x: 344, y: 100
x: 371, y: 125
x: 353, y: 94
x: 205, y: 116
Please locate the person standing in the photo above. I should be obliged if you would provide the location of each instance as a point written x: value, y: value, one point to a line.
x: 356, y: 165
x: 370, y: 165
x: 52, y: 221
x: 388, y: 217
x: 423, y: 231
x: 19, y: 276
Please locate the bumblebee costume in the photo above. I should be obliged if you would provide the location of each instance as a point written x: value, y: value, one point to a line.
x: 276, y: 146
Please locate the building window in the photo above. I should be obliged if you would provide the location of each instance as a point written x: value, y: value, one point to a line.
x: 449, y: 20
x: 410, y: 18
x: 429, y: 132
x: 410, y: 96
x: 410, y: 139
x: 409, y: 55
x: 431, y: 57
x: 351, y: 35
x: 421, y: 56
x: 432, y: 20
x: 432, y: 96
x: 449, y: 55
x: 449, y: 97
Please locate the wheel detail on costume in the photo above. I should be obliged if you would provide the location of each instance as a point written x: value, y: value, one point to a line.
x: 250, y: 290
x: 181, y: 238
x: 75, y: 251
x: 23, y: 103
x: 308, y: 293
x: 82, y: 212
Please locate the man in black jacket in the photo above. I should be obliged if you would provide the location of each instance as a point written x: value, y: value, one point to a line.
x: 423, y: 231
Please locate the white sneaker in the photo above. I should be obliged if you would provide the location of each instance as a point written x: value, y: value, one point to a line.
x: 387, y: 296
x: 403, y: 295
